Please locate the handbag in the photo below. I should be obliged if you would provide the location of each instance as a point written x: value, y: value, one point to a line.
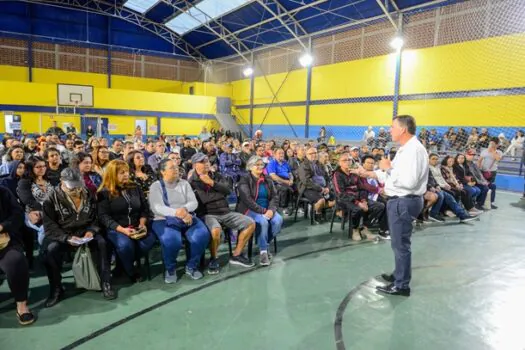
x: 172, y: 221
x: 84, y: 270
x: 488, y: 174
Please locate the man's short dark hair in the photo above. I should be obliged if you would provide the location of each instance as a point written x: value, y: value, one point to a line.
x: 368, y: 156
x: 408, y: 122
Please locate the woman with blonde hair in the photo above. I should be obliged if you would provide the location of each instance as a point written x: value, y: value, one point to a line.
x: 123, y: 211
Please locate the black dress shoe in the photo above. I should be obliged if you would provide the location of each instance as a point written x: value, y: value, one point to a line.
x: 55, y: 295
x: 388, y: 277
x: 393, y: 290
x: 108, y: 292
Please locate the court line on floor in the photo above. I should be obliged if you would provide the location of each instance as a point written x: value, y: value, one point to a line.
x: 153, y: 307
x: 338, y: 322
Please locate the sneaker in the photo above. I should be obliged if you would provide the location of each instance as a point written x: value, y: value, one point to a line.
x: 264, y: 260
x: 170, y: 278
x: 366, y: 234
x: 450, y: 214
x: 474, y: 212
x: 287, y: 212
x: 194, y: 273
x: 356, y: 236
x: 492, y: 206
x: 241, y: 260
x: 436, y: 218
x: 384, y: 235
x: 213, y: 267
x: 467, y: 218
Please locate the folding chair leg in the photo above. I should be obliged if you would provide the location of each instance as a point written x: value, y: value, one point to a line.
x: 148, y: 267
x: 332, y: 221
x: 275, y: 245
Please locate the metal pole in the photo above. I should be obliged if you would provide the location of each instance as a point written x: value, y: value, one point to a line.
x: 30, y: 45
x: 109, y: 53
x: 308, y: 94
x: 397, y: 81
x: 252, y: 86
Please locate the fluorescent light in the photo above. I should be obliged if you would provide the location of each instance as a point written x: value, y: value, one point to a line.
x: 202, y: 13
x: 247, y: 72
x: 140, y: 6
x: 306, y: 60
x: 397, y: 43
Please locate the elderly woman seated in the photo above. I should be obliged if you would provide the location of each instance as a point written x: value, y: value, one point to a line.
x: 70, y: 213
x: 259, y: 200
x: 173, y: 202
x: 123, y: 211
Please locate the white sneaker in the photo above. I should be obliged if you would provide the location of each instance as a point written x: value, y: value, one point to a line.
x: 170, y: 279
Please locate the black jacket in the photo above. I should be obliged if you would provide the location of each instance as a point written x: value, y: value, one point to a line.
x: 462, y: 172
x: 61, y: 219
x: 113, y: 211
x: 11, y: 215
x: 249, y: 189
x: 26, y: 196
x: 347, y: 187
x: 53, y: 176
x: 11, y: 180
x: 432, y: 183
x: 212, y: 200
x: 306, y: 173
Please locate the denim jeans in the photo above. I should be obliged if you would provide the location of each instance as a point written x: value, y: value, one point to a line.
x: 473, y: 192
x: 266, y: 230
x: 126, y: 247
x: 450, y: 201
x: 401, y: 212
x: 170, y: 239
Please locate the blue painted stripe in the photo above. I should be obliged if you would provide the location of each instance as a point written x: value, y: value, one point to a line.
x: 512, y: 183
x: 411, y: 97
x: 107, y: 111
x: 355, y: 133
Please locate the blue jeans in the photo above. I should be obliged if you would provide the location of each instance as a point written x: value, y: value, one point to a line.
x: 473, y: 192
x: 448, y: 199
x: 170, y: 239
x: 126, y: 246
x: 484, y: 190
x: 266, y: 230
x: 401, y: 212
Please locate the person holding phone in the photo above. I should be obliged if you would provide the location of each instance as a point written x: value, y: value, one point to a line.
x: 123, y: 211
x: 70, y: 220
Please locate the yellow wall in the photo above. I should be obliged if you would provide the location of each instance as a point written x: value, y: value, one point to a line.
x: 12, y: 73
x: 52, y: 76
x: 358, y: 114
x: 145, y: 84
x: 179, y: 126
x: 208, y: 89
x: 504, y: 111
x: 37, y: 94
x: 482, y: 64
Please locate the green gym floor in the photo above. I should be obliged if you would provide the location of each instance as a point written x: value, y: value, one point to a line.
x: 467, y: 293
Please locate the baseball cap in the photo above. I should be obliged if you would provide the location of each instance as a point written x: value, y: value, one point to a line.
x: 198, y: 157
x: 355, y: 148
x: 71, y: 178
x: 244, y: 144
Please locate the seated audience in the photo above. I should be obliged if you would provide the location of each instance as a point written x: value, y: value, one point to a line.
x: 281, y: 174
x: 12, y: 261
x: 54, y: 165
x: 313, y: 184
x: 154, y: 160
x: 140, y: 173
x: 488, y: 163
x: 173, y: 203
x: 259, y: 200
x: 464, y: 176
x: 83, y: 162
x: 123, y: 212
x: 211, y: 190
x: 481, y: 182
x: 70, y: 213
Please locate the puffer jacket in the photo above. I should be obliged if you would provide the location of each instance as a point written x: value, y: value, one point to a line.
x: 61, y: 220
x: 11, y: 215
x: 249, y: 189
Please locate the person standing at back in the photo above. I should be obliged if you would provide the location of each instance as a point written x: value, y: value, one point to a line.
x: 405, y: 179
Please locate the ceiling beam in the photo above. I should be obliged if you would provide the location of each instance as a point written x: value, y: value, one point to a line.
x: 258, y: 24
x: 224, y: 35
x: 281, y: 10
x: 385, y: 11
x: 107, y: 8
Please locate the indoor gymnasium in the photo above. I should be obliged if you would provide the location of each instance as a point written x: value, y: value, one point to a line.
x: 262, y: 174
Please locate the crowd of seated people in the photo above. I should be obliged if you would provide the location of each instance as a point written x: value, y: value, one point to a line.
x: 177, y: 191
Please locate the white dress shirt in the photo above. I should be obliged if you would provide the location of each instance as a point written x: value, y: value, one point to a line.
x: 409, y: 172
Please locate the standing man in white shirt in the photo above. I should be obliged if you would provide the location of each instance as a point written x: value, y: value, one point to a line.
x: 405, y: 180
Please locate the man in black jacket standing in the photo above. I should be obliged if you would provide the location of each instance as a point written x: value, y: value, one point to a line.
x: 70, y: 214
x: 211, y: 190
